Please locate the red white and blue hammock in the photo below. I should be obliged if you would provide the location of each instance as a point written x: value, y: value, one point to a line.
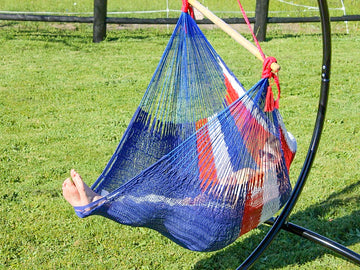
x: 202, y: 161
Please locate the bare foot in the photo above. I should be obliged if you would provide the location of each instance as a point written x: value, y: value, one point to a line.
x: 76, y: 192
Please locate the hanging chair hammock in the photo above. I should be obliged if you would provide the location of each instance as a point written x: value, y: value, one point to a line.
x: 202, y: 161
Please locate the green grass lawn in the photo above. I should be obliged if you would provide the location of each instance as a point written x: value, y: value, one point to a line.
x: 65, y: 102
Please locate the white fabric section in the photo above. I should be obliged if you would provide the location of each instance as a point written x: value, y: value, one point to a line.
x: 220, y: 150
x: 289, y: 138
x: 156, y: 199
x: 153, y: 198
x: 230, y: 184
x: 271, y: 196
x: 238, y: 88
x: 104, y: 192
x: 291, y: 141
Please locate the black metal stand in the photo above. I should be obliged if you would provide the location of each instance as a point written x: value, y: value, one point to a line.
x: 281, y: 221
x: 319, y: 239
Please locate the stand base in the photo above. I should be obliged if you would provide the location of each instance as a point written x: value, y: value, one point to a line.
x: 312, y: 236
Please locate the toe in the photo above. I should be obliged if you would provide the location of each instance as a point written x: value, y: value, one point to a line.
x: 79, y: 183
x: 67, y: 183
x: 70, y: 192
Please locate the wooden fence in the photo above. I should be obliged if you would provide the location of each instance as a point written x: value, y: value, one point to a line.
x: 100, y: 19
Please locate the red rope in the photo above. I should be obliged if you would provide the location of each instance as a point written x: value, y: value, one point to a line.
x: 187, y: 8
x: 270, y: 103
x: 251, y: 30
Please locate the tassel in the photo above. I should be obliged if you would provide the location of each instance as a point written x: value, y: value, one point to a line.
x: 270, y: 103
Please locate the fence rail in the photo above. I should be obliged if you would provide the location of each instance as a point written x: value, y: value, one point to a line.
x: 118, y: 20
x: 100, y: 19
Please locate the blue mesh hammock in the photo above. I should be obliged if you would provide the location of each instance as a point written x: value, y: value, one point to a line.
x: 201, y: 162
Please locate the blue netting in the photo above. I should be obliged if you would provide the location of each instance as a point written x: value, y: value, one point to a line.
x: 200, y: 161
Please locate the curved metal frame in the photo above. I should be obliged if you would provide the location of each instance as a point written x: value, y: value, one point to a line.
x: 281, y: 221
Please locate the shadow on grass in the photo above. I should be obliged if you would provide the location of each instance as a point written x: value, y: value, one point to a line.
x: 288, y: 249
x: 70, y: 34
x: 283, y: 36
x: 69, y: 39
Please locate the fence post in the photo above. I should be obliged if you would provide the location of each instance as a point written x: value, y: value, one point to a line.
x: 261, y: 17
x: 99, y: 27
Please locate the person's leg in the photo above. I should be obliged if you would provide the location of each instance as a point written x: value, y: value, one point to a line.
x: 76, y: 192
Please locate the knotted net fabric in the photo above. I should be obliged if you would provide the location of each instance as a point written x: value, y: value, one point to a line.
x: 200, y: 162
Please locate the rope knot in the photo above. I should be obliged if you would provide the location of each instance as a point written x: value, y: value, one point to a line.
x: 187, y: 8
x: 270, y: 103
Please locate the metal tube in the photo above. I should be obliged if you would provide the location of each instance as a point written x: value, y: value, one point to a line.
x: 322, y: 240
